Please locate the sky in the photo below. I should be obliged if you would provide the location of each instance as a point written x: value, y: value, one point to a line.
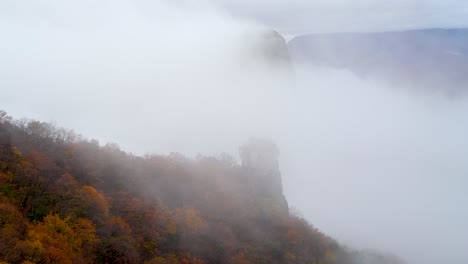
x: 372, y: 165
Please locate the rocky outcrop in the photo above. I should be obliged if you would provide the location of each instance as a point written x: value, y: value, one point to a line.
x: 260, y: 162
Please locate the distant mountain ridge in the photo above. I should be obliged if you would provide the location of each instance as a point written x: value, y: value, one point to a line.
x: 430, y: 59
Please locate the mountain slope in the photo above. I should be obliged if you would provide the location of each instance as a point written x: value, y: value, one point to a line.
x: 66, y: 199
x: 433, y: 59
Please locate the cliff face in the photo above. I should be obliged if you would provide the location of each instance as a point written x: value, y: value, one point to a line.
x: 267, y: 49
x: 260, y: 161
x: 274, y: 47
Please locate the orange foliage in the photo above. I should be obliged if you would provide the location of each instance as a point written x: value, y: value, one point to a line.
x: 92, y: 204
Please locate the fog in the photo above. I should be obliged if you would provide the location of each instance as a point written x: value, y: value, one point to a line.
x: 140, y: 75
x: 380, y: 167
x: 373, y: 166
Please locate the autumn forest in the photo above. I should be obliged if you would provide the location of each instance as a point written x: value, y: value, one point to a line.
x: 67, y: 199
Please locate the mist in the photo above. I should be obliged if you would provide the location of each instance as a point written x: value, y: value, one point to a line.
x: 380, y: 167
x: 371, y: 165
x: 172, y: 74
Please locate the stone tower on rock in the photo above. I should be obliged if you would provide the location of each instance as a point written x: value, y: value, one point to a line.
x: 259, y: 159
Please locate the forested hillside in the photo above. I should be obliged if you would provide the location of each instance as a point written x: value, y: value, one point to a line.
x: 66, y: 199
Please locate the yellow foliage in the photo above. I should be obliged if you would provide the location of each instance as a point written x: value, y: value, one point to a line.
x: 95, y: 201
x: 190, y: 219
x: 59, y: 241
x: 85, y: 231
x: 329, y: 256
x: 29, y: 251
